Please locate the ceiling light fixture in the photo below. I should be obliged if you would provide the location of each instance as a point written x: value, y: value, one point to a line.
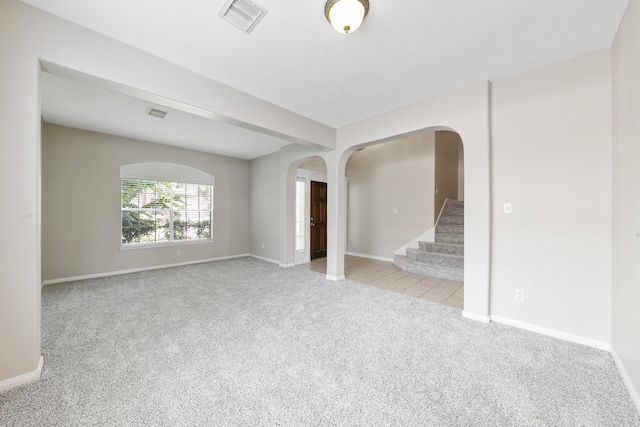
x: 345, y: 16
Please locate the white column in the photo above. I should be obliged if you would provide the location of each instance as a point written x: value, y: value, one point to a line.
x: 336, y: 215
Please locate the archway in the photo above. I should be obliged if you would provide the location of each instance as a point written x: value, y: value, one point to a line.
x: 291, y: 158
x: 465, y: 112
x: 392, y: 209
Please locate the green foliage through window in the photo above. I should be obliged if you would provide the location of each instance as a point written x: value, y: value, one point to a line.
x: 158, y: 211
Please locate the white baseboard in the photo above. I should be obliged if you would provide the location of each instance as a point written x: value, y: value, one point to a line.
x: 635, y: 396
x: 272, y: 261
x: 335, y: 278
x: 602, y: 345
x: 379, y: 258
x: 22, y: 379
x: 286, y: 265
x: 137, y: 270
x: 477, y: 317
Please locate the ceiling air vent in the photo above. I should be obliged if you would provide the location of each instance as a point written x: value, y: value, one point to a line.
x: 156, y: 113
x: 244, y: 14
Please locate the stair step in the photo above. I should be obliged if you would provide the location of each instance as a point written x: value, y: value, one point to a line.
x: 451, y: 219
x: 453, y: 212
x: 443, y: 260
x: 457, y: 239
x: 416, y: 267
x: 442, y: 248
x: 450, y: 229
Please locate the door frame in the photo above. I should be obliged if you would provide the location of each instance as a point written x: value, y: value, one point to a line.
x: 304, y: 256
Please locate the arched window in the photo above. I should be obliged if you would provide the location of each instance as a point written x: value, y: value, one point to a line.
x: 165, y: 203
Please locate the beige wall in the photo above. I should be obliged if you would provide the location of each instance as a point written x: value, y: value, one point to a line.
x: 446, y: 171
x: 625, y: 339
x: 81, y: 199
x: 551, y: 152
x: 392, y: 175
x: 265, y: 210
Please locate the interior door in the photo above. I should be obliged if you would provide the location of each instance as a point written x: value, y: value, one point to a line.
x: 318, y: 220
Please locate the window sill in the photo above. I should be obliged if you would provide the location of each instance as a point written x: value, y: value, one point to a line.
x: 164, y: 244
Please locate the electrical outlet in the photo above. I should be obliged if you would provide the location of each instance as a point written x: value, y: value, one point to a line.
x: 263, y: 246
x: 519, y: 295
x: 179, y: 253
x: 395, y: 210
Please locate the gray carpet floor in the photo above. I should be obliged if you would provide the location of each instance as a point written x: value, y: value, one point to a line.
x: 244, y: 342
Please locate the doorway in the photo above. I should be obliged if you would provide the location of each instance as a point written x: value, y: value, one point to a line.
x: 318, y: 220
x: 449, y: 169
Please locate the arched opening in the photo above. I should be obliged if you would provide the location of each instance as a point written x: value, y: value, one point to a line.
x: 403, y: 206
x: 396, y: 192
x: 465, y: 114
x: 300, y: 167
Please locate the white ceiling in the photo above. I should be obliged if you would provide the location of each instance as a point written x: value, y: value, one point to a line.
x: 405, y: 51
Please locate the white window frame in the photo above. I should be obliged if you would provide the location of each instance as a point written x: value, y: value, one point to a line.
x: 300, y: 206
x: 167, y: 172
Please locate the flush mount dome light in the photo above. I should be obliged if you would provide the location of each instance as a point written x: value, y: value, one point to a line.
x: 345, y: 16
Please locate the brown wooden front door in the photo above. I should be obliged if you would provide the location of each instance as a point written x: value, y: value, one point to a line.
x: 318, y: 219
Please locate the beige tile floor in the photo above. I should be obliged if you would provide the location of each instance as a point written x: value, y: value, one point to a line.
x: 385, y: 275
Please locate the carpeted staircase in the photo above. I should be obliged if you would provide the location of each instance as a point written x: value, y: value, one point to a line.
x: 443, y: 258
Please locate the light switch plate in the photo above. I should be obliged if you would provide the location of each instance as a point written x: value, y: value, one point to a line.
x: 507, y: 208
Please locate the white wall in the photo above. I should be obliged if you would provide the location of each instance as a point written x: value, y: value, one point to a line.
x: 392, y: 175
x: 314, y: 164
x: 551, y: 152
x: 19, y: 164
x: 625, y: 331
x: 81, y: 198
x: 265, y: 209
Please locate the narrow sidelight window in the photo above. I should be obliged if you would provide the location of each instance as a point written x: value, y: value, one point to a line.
x: 300, y: 213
